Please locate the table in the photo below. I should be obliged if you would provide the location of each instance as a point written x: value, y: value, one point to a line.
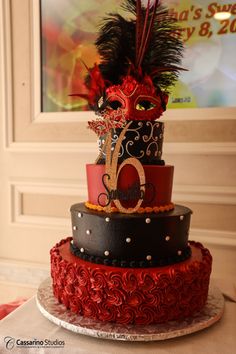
x: 27, y: 323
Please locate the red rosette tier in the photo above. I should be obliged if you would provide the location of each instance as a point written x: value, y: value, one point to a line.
x: 131, y: 296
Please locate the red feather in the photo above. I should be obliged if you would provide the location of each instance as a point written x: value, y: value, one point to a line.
x: 139, y: 25
x: 96, y: 86
x: 149, y: 31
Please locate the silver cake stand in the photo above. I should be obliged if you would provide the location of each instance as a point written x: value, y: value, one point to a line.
x: 58, y: 314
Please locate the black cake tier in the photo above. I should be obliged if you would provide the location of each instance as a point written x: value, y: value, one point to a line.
x: 131, y: 240
x: 143, y: 140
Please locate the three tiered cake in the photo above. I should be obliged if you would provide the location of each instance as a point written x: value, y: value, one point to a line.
x: 130, y: 260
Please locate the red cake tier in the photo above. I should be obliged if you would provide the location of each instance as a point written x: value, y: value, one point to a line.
x: 131, y: 296
x: 158, y: 189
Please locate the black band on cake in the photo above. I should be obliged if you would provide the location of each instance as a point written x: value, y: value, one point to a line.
x: 131, y: 237
x: 185, y: 254
x: 142, y: 141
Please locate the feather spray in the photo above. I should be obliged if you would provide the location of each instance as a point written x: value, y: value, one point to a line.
x: 143, y: 44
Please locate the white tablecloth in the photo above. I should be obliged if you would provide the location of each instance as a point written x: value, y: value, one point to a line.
x: 27, y: 323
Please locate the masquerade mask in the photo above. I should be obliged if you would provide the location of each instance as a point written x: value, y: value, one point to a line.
x: 136, y: 101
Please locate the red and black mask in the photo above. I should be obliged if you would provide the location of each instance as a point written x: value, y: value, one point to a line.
x: 136, y: 100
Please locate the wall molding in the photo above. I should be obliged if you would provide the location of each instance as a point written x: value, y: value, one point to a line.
x: 216, y: 195
x: 17, y: 189
x: 200, y: 148
x: 214, y: 237
x: 23, y: 273
x: 52, y: 147
x: 219, y: 195
x: 6, y: 83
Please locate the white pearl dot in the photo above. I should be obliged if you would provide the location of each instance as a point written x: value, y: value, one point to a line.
x: 82, y: 250
x: 128, y: 240
x: 106, y: 253
x: 181, y: 217
x: 107, y: 219
x: 149, y: 258
x: 148, y: 220
x: 167, y: 238
x: 88, y: 232
x: 74, y: 227
x: 179, y: 253
x: 80, y: 215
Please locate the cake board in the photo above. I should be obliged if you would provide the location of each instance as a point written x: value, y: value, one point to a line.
x: 58, y: 314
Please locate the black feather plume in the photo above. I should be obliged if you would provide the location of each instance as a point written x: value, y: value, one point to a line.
x: 116, y: 47
x: 144, y: 43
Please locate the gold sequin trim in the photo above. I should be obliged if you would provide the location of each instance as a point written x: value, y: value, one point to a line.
x: 156, y: 209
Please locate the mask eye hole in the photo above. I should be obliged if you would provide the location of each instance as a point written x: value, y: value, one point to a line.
x: 115, y: 105
x: 145, y: 105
